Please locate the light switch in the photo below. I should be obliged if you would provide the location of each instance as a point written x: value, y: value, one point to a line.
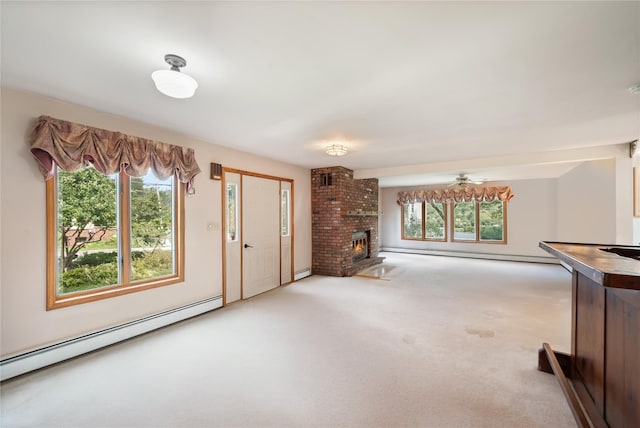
x: 213, y: 226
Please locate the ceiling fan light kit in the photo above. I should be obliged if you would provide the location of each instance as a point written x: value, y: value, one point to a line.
x: 174, y: 83
x: 463, y: 181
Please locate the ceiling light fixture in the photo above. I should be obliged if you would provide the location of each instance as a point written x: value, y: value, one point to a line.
x: 336, y: 149
x: 172, y: 82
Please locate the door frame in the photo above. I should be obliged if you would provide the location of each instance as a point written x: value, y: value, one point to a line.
x: 242, y: 173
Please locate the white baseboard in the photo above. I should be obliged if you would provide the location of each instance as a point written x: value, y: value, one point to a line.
x: 39, y: 358
x: 302, y: 274
x: 505, y: 257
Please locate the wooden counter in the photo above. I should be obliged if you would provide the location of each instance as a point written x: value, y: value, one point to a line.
x: 604, y: 365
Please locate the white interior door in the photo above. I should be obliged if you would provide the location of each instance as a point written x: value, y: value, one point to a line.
x: 260, y: 235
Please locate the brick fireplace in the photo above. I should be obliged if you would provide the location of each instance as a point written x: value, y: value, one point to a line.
x: 344, y: 222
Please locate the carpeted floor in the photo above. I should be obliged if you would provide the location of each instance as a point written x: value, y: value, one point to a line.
x: 426, y: 342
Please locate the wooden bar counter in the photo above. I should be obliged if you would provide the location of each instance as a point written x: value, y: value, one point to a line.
x: 603, y: 370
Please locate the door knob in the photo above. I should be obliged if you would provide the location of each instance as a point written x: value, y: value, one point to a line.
x: 247, y: 246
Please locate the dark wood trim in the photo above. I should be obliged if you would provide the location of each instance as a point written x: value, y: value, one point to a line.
x: 563, y: 359
x: 567, y: 390
x: 605, y: 318
x: 587, y: 404
x: 605, y: 268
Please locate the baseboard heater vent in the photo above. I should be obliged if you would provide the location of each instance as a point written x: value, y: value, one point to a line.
x: 39, y: 358
x: 302, y: 274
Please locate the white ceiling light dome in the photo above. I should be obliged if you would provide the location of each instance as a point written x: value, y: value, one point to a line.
x: 172, y: 82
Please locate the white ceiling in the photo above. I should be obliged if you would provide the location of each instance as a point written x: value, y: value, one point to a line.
x: 405, y: 83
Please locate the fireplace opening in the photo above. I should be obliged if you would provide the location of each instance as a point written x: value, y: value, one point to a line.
x: 360, y: 245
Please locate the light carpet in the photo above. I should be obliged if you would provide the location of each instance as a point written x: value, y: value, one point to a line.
x: 429, y: 342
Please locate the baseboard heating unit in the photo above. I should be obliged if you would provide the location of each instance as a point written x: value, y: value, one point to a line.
x: 302, y: 274
x: 39, y: 358
x: 471, y: 255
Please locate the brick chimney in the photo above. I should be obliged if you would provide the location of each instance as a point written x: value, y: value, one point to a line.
x: 343, y: 209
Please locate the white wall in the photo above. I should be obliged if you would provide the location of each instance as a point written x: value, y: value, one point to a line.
x: 25, y: 322
x: 623, y: 195
x: 591, y: 203
x: 587, y: 203
x: 636, y: 220
x: 531, y: 218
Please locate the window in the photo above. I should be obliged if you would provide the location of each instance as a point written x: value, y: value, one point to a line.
x: 284, y: 212
x: 412, y: 221
x: 326, y: 179
x: 111, y: 235
x: 464, y: 221
x: 478, y: 222
x: 436, y: 220
x: 492, y: 221
x: 232, y: 212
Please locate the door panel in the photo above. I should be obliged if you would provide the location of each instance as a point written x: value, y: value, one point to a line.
x: 233, y: 238
x: 286, y: 231
x: 260, y: 235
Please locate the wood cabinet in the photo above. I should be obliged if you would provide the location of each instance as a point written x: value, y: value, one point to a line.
x: 604, y: 365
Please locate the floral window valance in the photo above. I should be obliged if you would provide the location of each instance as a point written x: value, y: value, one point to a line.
x: 465, y: 194
x: 72, y: 146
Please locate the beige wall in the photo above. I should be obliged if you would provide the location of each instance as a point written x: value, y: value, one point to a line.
x: 25, y: 322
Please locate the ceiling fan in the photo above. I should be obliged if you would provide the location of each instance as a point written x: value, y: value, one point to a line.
x: 463, y: 181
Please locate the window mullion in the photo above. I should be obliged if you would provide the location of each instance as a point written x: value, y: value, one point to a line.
x: 424, y: 221
x: 477, y: 207
x: 124, y: 229
x: 504, y: 222
x: 447, y: 229
x: 451, y: 205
